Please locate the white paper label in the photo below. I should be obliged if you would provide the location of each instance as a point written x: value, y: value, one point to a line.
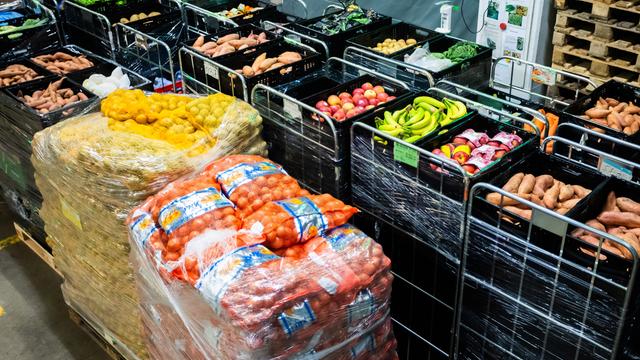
x: 292, y: 109
x: 211, y: 70
x: 613, y: 168
x: 550, y: 223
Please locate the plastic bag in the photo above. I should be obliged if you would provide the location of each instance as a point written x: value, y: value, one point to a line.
x: 423, y: 58
x: 251, y: 181
x: 288, y: 222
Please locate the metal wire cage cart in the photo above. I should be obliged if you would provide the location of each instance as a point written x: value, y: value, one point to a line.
x: 312, y: 146
x: 22, y: 41
x: 531, y: 289
x: 414, y: 204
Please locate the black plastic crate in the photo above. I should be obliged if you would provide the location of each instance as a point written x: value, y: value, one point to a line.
x: 41, y: 72
x: 267, y: 10
x: 74, y: 51
x: 338, y: 42
x: 106, y: 68
x: 15, y: 39
x: 537, y: 164
x: 473, y: 72
x: 231, y: 84
x: 399, y: 31
x: 195, y: 67
x: 167, y: 15
x: 573, y: 113
x: 25, y: 116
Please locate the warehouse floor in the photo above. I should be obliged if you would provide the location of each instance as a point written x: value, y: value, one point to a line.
x: 34, y: 321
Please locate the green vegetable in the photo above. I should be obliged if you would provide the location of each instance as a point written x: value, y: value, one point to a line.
x: 459, y: 52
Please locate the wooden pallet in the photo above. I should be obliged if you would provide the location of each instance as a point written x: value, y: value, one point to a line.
x: 96, y: 335
x: 44, y: 254
x: 604, y: 9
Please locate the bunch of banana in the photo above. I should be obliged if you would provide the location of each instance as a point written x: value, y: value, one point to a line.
x: 420, y: 118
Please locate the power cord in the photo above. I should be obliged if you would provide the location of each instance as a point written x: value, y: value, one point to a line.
x: 484, y: 16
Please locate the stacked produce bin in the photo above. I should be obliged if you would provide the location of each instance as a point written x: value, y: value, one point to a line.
x: 414, y: 203
x: 312, y: 145
x: 93, y: 169
x: 544, y: 278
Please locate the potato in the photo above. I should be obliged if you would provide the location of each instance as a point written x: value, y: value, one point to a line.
x: 513, y: 183
x: 134, y: 17
x: 566, y: 193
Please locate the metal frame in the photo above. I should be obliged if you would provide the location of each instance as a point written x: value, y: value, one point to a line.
x: 532, y: 112
x: 514, y: 61
x: 521, y: 302
x: 353, y: 53
x: 298, y: 36
x: 211, y: 62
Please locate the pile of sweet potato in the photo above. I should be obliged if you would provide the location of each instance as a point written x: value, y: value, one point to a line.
x: 542, y: 190
x: 614, y: 114
x: 228, y: 44
x: 263, y: 64
x: 17, y: 73
x: 620, y: 217
x: 52, y: 98
x: 62, y: 63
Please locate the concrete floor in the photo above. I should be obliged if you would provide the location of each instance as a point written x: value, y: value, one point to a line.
x: 34, y: 321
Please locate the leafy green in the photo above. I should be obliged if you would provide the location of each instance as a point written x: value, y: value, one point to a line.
x: 459, y: 52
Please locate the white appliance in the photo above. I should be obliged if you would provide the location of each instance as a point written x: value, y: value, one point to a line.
x: 512, y: 28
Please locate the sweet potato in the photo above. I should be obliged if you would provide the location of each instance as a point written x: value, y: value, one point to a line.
x: 550, y: 197
x: 596, y: 225
x: 597, y: 113
x: 289, y: 57
x: 228, y: 37
x: 247, y: 71
x: 613, y: 120
x: 526, y: 185
x: 612, y: 102
x: 543, y: 182
x: 602, y: 104
x: 627, y: 219
x: 626, y: 119
x: 256, y: 63
x: 619, y: 108
x: 199, y: 41
x: 569, y: 204
x: 513, y: 183
x: 562, y: 210
x: 632, y: 109
x: 566, y: 193
x: 264, y: 65
x: 628, y: 205
x: 580, y: 191
x: 525, y: 214
x: 208, y: 46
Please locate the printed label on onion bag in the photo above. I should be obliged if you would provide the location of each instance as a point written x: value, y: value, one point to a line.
x: 238, y: 175
x: 143, y: 228
x: 297, y: 317
x: 215, y: 281
x: 309, y: 220
x: 340, y: 237
x: 364, y: 305
x: 186, y: 208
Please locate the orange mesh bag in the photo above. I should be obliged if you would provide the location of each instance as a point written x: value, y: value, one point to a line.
x: 251, y: 181
x: 288, y: 222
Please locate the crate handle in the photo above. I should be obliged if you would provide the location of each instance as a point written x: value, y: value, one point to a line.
x: 525, y: 109
x: 401, y: 64
x: 300, y: 35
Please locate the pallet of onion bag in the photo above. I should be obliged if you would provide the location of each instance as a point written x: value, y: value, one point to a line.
x: 239, y: 261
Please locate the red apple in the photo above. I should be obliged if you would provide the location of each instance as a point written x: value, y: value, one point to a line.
x: 344, y: 95
x: 367, y: 86
x: 351, y: 113
x: 471, y: 169
x: 378, y: 89
x: 370, y: 94
x: 334, y: 108
x: 382, y: 97
x: 360, y: 109
x: 334, y: 100
x: 358, y: 91
x: 459, y: 141
x: 324, y: 109
x: 357, y: 97
x: 369, y: 107
x: 374, y: 102
x: 348, y: 106
x: 362, y: 102
x: 321, y: 104
x: 340, y: 115
x: 499, y: 154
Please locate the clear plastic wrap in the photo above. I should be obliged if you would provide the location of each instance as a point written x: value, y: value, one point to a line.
x: 92, y: 170
x: 324, y: 297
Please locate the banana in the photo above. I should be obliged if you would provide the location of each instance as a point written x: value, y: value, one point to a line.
x: 419, y: 115
x: 387, y: 117
x: 386, y: 127
x: 455, y: 109
x: 426, y: 107
x: 413, y: 139
x: 429, y: 100
x: 394, y: 132
x: 421, y: 124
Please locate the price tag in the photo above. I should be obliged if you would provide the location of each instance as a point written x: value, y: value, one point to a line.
x: 550, y: 223
x: 543, y: 76
x: 211, y: 70
x: 141, y: 42
x: 362, y: 72
x: 70, y: 213
x: 292, y: 109
x: 613, y: 168
x: 405, y: 154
